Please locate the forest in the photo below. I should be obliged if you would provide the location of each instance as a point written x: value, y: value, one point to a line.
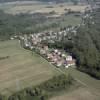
x: 87, y: 46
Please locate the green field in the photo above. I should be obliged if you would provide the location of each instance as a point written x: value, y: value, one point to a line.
x: 22, y: 69
x: 90, y: 82
x: 89, y: 89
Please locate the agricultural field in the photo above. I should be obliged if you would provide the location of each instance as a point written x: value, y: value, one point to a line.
x: 89, y: 91
x: 33, y: 6
x: 20, y: 68
x: 78, y: 94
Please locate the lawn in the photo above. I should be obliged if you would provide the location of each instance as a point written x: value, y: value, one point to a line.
x: 22, y: 68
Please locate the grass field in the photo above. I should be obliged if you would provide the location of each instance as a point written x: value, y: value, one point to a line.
x: 78, y: 94
x: 27, y: 7
x: 89, y: 91
x: 21, y: 69
x: 92, y: 83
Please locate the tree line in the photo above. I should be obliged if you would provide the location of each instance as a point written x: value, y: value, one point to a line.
x: 87, y: 47
x: 43, y: 91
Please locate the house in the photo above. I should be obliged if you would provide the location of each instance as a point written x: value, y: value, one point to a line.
x: 56, y: 51
x: 21, y: 37
x: 26, y: 45
x: 42, y: 51
x: 46, y: 48
x: 31, y: 47
x: 69, y: 58
x: 55, y: 59
x: 49, y: 56
x: 35, y: 42
x: 59, y: 63
x: 59, y: 53
x: 70, y: 63
x: 11, y: 38
x: 63, y: 55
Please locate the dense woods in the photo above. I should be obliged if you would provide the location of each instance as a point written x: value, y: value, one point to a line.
x: 87, y: 47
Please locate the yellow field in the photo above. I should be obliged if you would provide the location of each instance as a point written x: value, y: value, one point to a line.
x: 21, y: 69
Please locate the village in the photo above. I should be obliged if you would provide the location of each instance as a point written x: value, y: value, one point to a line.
x: 38, y: 42
x: 40, y: 54
x: 54, y: 56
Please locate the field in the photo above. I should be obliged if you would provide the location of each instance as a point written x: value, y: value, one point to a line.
x: 78, y: 94
x: 32, y: 7
x: 21, y: 68
x: 89, y: 91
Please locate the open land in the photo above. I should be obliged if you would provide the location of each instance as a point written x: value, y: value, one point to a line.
x: 78, y: 94
x: 21, y: 68
x: 89, y: 91
x: 33, y: 7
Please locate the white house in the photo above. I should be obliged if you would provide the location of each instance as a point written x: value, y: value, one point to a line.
x: 69, y: 58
